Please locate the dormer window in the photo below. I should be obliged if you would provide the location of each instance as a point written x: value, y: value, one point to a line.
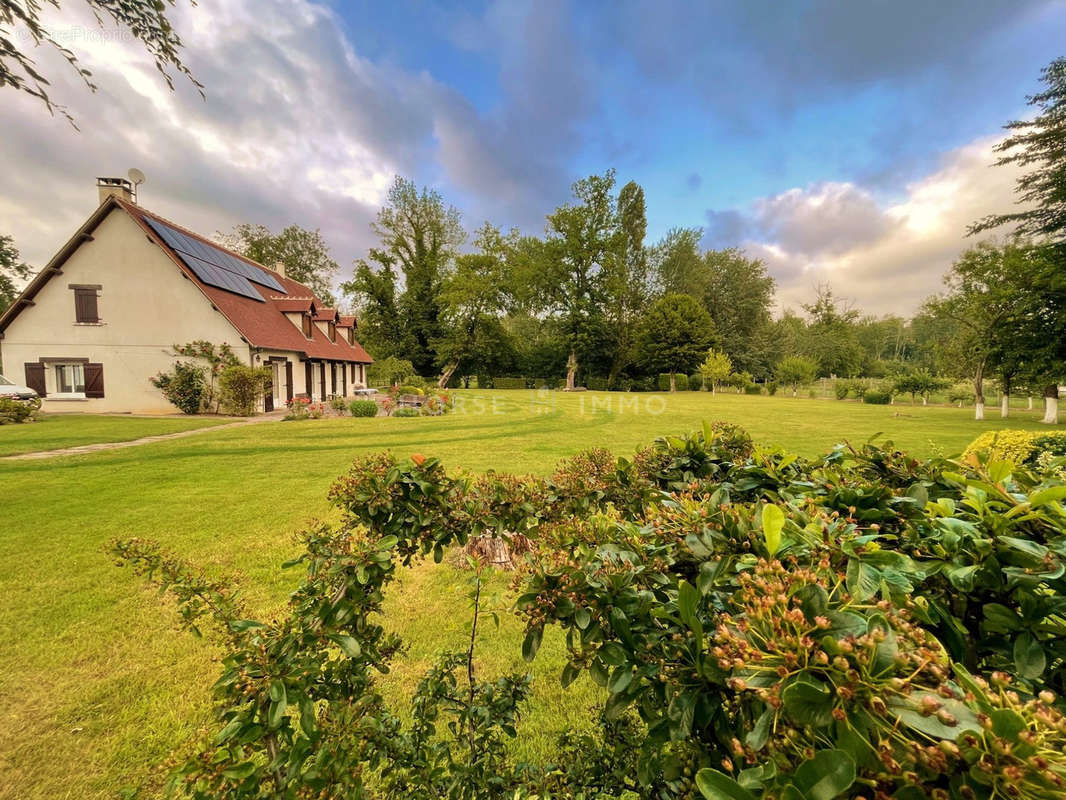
x: 308, y: 329
x: 351, y: 335
x: 333, y: 331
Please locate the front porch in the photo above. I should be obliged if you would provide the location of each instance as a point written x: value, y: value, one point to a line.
x: 315, y: 379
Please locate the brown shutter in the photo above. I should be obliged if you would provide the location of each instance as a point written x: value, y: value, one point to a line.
x: 322, y: 377
x: 288, y: 381
x: 94, y: 380
x: 35, y: 378
x: 344, y: 379
x: 85, y: 308
x: 307, y: 376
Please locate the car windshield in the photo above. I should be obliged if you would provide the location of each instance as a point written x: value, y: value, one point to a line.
x: 5, y: 382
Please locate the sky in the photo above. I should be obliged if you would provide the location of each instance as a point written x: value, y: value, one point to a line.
x: 844, y: 142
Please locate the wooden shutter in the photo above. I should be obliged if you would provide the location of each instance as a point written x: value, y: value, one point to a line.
x: 35, y: 378
x: 307, y: 375
x: 85, y: 308
x: 288, y: 381
x: 94, y: 380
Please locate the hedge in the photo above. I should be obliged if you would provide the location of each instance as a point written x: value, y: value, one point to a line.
x: 596, y: 384
x: 363, y: 408
x: 876, y: 397
x: 753, y: 388
x: 680, y: 381
x: 509, y: 383
x: 1019, y: 447
x: 695, y: 382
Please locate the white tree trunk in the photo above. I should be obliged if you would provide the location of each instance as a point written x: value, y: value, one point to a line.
x: 1004, y: 406
x: 925, y: 400
x: 1030, y: 402
x: 1051, y: 409
x: 979, y: 410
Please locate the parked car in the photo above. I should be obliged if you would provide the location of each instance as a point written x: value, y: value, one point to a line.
x: 16, y: 391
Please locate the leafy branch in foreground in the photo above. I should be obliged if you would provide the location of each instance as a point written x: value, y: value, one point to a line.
x: 863, y: 625
x: 146, y: 20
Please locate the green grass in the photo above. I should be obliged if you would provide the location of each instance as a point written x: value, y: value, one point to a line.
x: 96, y: 687
x: 56, y: 431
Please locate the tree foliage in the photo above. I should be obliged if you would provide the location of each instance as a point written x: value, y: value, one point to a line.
x: 13, y: 271
x: 1039, y: 146
x: 304, y: 254
x: 675, y: 335
x: 146, y: 20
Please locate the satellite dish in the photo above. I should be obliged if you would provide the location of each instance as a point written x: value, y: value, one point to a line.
x: 136, y: 176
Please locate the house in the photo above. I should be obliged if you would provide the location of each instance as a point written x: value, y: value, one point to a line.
x: 103, y: 316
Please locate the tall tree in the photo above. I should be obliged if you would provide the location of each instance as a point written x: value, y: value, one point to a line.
x: 1038, y: 144
x: 627, y: 281
x: 739, y: 295
x: 374, y: 295
x: 581, y: 239
x: 304, y: 254
x: 145, y: 20
x: 985, y: 289
x: 831, y: 338
x: 678, y: 266
x: 420, y: 236
x: 12, y: 269
x: 473, y: 298
x: 675, y: 335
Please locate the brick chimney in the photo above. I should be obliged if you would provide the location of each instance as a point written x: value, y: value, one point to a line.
x: 121, y: 188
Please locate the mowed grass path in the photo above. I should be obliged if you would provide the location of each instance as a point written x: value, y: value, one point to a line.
x: 56, y: 431
x: 97, y: 687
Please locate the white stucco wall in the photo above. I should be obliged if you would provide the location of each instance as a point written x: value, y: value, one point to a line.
x: 146, y: 305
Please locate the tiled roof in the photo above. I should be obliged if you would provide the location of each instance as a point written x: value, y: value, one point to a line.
x: 261, y: 324
x: 326, y: 315
x: 346, y: 321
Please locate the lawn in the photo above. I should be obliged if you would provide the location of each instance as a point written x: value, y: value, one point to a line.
x: 97, y: 689
x: 56, y: 431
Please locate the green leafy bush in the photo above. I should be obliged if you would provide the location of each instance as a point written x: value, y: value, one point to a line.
x: 695, y: 382
x: 753, y: 388
x: 484, y: 382
x: 863, y: 624
x: 841, y: 389
x: 410, y: 388
x: 876, y: 397
x: 771, y: 388
x: 240, y: 388
x: 185, y: 386
x: 14, y: 411
x: 681, y: 382
x: 389, y: 371
x: 509, y: 383
x: 596, y: 384
x: 407, y: 412
x: 363, y: 408
x: 338, y: 404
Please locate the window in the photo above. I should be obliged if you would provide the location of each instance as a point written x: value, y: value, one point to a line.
x: 351, y: 335
x: 70, y: 379
x: 85, y: 306
x: 307, y: 325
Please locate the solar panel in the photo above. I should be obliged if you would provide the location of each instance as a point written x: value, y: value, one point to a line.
x: 215, y: 266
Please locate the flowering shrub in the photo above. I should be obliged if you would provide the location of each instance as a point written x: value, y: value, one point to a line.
x: 298, y: 408
x: 863, y: 625
x: 240, y: 388
x: 16, y: 411
x: 1019, y: 447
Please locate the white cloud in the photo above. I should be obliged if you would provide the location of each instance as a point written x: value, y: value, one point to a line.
x: 297, y: 126
x: 885, y: 256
